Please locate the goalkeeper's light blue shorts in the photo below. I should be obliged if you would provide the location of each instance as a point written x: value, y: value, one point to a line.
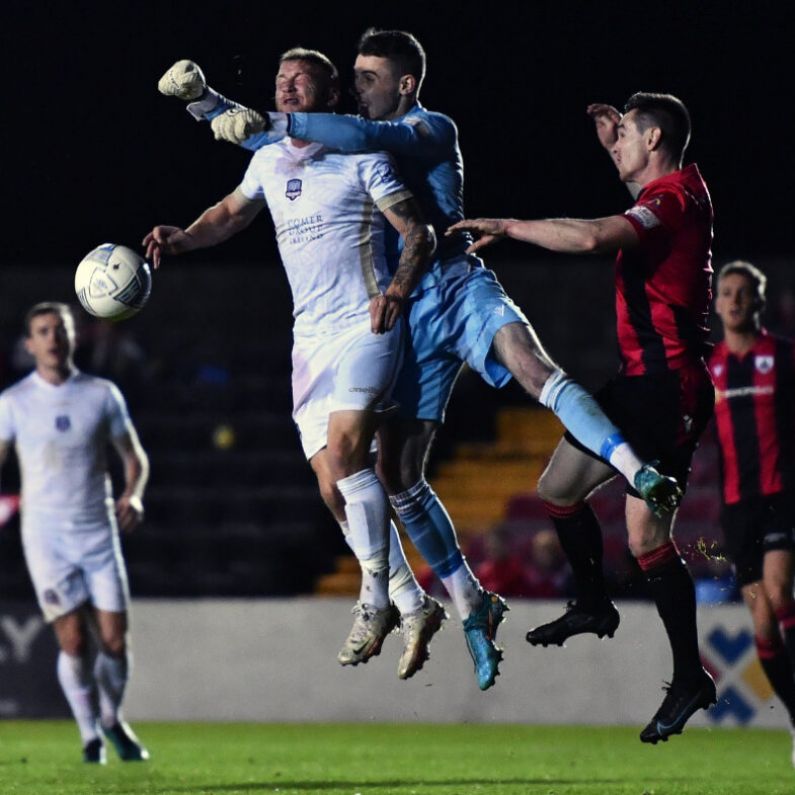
x: 452, y: 321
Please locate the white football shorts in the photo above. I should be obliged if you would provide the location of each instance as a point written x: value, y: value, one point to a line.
x: 71, y: 563
x: 352, y: 370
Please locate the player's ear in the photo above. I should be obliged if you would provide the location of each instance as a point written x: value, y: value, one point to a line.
x: 653, y: 138
x: 407, y: 84
x: 333, y: 96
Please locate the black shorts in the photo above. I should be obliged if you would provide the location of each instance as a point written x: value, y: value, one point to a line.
x: 755, y: 526
x: 661, y: 416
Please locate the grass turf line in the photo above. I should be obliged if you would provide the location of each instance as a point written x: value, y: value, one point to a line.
x: 38, y: 757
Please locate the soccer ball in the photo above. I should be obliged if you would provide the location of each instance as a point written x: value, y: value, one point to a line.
x: 113, y: 282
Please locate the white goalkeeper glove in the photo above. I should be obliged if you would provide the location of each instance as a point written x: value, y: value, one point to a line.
x: 184, y: 80
x: 237, y: 125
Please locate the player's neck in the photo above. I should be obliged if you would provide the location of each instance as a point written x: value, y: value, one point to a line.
x: 656, y: 169
x: 741, y: 341
x: 405, y: 104
x: 55, y: 375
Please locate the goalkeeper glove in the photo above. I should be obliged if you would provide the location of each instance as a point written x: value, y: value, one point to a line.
x: 249, y: 129
x: 184, y: 80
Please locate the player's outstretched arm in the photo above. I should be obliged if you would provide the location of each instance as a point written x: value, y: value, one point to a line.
x: 129, y: 506
x: 565, y: 235
x: 426, y: 136
x: 229, y: 120
x: 218, y: 223
x: 419, y: 243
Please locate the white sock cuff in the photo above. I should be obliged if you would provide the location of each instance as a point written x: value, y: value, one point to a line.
x: 552, y: 388
x: 358, y: 481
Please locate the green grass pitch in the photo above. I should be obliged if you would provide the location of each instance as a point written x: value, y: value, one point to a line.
x: 42, y: 758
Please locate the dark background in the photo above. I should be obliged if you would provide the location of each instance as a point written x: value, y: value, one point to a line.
x: 91, y: 151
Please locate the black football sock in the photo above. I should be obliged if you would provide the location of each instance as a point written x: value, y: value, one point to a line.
x: 581, y: 538
x: 673, y: 591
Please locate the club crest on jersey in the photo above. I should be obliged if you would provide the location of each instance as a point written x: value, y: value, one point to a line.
x: 764, y: 364
x: 294, y: 188
x: 717, y: 369
x: 63, y: 423
x: 50, y: 597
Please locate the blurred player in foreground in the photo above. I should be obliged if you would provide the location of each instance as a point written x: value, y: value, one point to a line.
x: 459, y: 313
x: 662, y: 397
x: 754, y: 375
x: 60, y: 422
x: 329, y: 210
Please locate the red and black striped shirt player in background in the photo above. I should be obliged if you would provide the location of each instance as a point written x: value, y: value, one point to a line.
x: 754, y: 375
x: 662, y: 397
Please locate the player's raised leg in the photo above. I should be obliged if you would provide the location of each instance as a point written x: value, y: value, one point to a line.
x: 518, y: 348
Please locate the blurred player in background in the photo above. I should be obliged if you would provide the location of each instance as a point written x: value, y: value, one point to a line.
x: 754, y: 375
x: 459, y: 313
x: 662, y: 397
x: 329, y: 210
x: 60, y: 422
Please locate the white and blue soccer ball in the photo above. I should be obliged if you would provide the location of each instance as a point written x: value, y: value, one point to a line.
x: 113, y: 282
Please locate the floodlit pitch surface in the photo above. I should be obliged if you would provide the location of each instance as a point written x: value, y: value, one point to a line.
x: 43, y: 757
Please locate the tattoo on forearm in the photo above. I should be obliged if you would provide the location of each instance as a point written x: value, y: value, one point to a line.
x: 418, y: 246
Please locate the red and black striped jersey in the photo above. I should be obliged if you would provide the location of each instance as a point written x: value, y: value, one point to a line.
x: 663, y: 285
x: 755, y: 416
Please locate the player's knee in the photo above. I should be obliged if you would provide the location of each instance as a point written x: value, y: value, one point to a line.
x: 550, y: 490
x: 345, y: 456
x: 331, y: 495
x: 114, y: 644
x: 75, y: 644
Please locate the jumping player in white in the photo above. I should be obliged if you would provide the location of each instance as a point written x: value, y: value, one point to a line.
x: 329, y: 212
x: 60, y: 422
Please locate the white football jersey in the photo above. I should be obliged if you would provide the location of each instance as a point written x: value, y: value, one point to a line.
x: 61, y: 435
x: 325, y: 207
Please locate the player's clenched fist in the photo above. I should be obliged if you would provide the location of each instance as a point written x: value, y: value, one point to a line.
x: 184, y: 80
x: 237, y: 124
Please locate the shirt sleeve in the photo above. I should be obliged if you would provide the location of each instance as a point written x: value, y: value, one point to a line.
x: 380, y: 179
x: 118, y: 417
x: 658, y: 213
x: 251, y: 186
x: 427, y: 135
x: 7, y: 432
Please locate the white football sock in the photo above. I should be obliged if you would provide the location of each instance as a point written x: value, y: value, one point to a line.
x: 465, y: 590
x: 111, y: 674
x: 404, y: 590
x: 367, y: 513
x: 623, y: 458
x: 77, y: 682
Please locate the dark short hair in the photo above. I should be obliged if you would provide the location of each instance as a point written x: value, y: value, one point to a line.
x: 666, y: 112
x: 752, y: 273
x: 397, y: 46
x: 48, y: 308
x: 315, y: 57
